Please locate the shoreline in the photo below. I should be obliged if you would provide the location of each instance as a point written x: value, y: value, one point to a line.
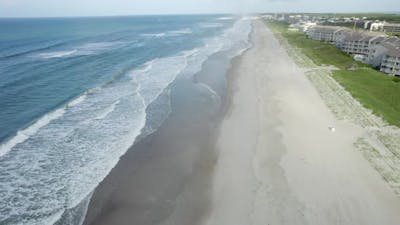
x: 162, y: 201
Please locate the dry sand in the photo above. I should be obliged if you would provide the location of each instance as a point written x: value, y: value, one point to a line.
x: 279, y: 163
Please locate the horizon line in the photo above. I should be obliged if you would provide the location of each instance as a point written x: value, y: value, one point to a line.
x: 192, y: 14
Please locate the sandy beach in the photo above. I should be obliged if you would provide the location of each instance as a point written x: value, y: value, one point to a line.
x: 278, y: 161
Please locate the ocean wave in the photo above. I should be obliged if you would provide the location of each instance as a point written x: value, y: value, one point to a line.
x: 26, y: 133
x: 77, y: 100
x: 57, y: 54
x: 30, y: 51
x: 96, y: 47
x: 157, y: 35
x: 85, y: 49
x: 225, y: 18
x: 180, y: 32
x: 210, y: 25
x: 168, y: 33
x: 151, y: 82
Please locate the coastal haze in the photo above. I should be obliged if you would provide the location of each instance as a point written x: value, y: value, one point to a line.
x: 49, y: 8
x: 223, y: 115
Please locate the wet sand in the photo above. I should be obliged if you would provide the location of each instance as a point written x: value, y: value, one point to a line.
x: 278, y: 161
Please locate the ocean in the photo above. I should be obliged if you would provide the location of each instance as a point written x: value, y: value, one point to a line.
x: 76, y: 93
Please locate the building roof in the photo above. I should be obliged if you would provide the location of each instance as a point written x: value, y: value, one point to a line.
x: 379, y: 39
x: 353, y: 36
x: 328, y: 29
x: 395, y: 41
x: 392, y: 46
x: 363, y: 36
x: 391, y: 25
x: 393, y: 52
x: 369, y: 36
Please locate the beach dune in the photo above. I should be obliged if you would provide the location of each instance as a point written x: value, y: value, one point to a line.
x: 280, y: 161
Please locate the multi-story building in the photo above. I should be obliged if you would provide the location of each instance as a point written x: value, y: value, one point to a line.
x: 367, y: 25
x: 359, y: 43
x: 325, y: 33
x: 378, y: 51
x: 376, y: 26
x: 303, y: 26
x: 390, y: 57
x: 349, y: 41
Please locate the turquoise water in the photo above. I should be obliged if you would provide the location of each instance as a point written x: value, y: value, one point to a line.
x: 74, y: 95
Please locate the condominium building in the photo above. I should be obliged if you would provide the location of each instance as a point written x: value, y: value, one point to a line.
x: 325, y: 33
x: 378, y: 51
x: 359, y: 43
x: 391, y: 58
x: 387, y: 27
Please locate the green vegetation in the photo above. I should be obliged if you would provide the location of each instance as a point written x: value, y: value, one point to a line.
x: 397, y: 34
x: 392, y: 18
x: 375, y: 90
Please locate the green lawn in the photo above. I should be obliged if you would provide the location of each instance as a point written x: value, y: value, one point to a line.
x: 375, y: 90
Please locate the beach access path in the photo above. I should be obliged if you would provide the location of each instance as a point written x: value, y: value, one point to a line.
x: 278, y: 161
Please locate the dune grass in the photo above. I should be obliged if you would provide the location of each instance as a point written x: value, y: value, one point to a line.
x: 374, y: 89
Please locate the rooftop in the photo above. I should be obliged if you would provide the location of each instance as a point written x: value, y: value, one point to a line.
x: 392, y: 46
x: 329, y: 28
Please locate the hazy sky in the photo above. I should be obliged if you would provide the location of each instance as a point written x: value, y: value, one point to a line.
x: 34, y: 8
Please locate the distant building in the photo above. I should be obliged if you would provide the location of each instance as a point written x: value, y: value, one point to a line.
x: 367, y: 25
x: 360, y: 24
x: 387, y: 27
x: 303, y: 26
x: 307, y: 25
x: 376, y: 26
x: 268, y: 17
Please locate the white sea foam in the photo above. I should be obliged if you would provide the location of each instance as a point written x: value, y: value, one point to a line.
x: 180, y: 32
x: 84, y: 49
x: 225, y: 18
x: 158, y: 35
x: 108, y: 110
x: 58, y: 54
x: 24, y: 134
x: 98, y: 47
x: 210, y: 25
x: 77, y: 100
x: 157, y: 74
